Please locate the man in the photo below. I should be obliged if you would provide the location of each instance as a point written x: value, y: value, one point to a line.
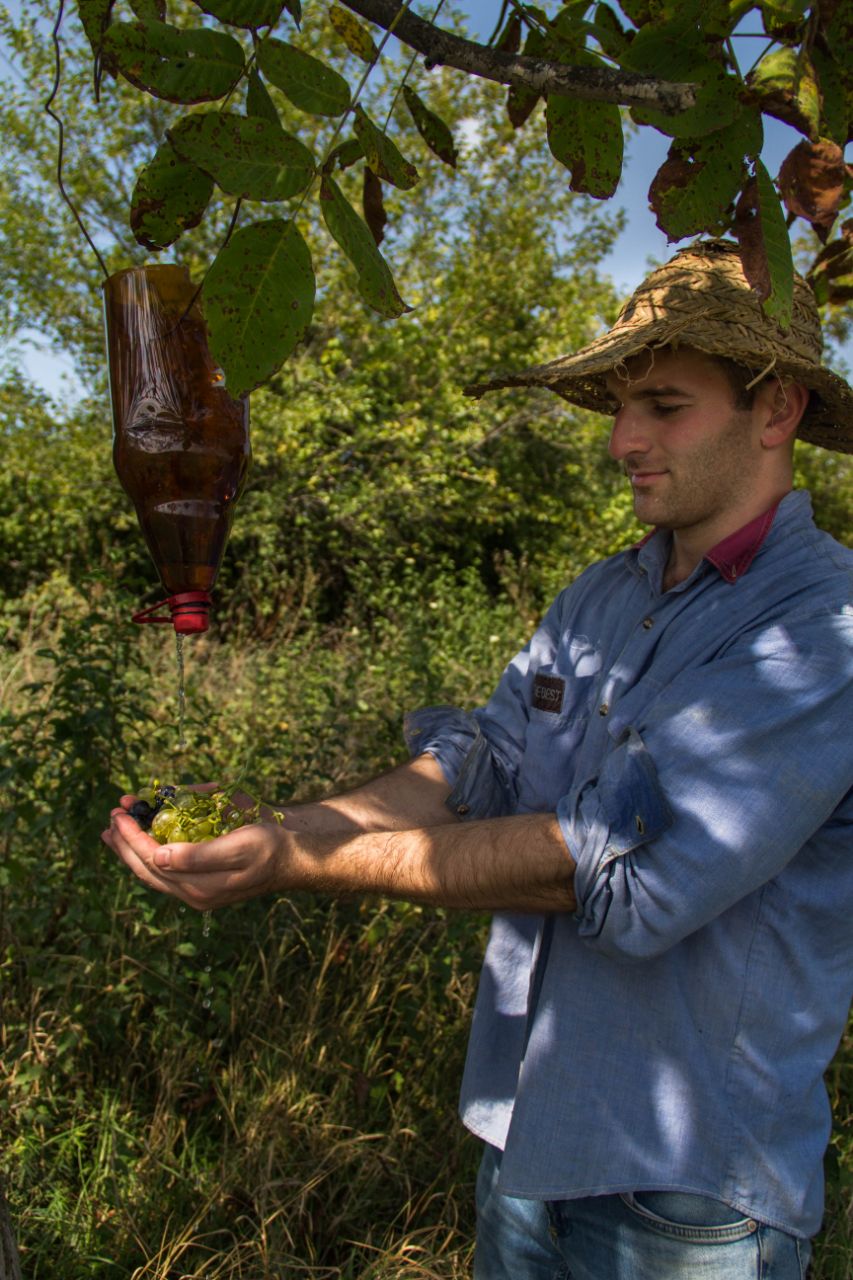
x: 657, y: 802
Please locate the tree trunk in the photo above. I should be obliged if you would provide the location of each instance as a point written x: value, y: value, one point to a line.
x: 10, y: 1265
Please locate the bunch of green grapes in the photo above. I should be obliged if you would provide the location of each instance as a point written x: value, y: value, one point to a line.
x: 177, y: 813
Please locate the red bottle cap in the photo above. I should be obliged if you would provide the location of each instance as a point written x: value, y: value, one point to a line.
x: 189, y: 612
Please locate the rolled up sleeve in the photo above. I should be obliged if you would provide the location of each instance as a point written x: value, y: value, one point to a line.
x: 477, y: 771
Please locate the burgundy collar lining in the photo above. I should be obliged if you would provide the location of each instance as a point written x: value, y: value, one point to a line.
x: 734, y: 554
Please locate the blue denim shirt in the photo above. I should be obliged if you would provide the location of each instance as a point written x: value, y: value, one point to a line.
x: 696, y: 746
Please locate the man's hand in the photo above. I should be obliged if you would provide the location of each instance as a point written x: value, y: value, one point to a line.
x: 213, y: 873
x: 516, y: 863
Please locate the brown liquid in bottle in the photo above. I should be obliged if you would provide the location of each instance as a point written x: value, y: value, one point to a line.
x: 181, y: 445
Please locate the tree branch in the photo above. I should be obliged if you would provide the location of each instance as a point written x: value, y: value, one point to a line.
x: 597, y: 84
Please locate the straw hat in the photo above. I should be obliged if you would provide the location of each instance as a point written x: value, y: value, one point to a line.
x: 701, y: 299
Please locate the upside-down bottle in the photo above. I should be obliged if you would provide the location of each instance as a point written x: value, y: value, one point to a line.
x: 181, y: 443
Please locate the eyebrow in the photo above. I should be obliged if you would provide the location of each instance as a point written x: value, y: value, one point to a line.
x: 652, y: 393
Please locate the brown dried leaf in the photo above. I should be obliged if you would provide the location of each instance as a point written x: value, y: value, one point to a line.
x: 520, y: 102
x: 748, y: 231
x: 676, y: 171
x: 811, y: 182
x: 509, y: 40
x: 765, y: 247
x: 832, y: 270
x: 374, y: 206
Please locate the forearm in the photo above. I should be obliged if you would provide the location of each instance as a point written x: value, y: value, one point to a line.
x: 518, y: 864
x: 410, y: 796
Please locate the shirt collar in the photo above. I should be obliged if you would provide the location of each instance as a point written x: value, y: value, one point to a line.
x: 735, y: 554
x: 731, y: 557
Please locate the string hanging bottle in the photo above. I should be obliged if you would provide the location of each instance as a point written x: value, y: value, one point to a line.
x: 181, y: 442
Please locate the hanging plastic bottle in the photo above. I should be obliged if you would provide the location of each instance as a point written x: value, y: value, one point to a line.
x: 181, y: 443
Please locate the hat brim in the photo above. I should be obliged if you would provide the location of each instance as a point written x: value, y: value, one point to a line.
x: 580, y: 377
x: 701, y: 300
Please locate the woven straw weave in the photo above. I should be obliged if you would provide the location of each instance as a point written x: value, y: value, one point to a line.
x: 701, y: 299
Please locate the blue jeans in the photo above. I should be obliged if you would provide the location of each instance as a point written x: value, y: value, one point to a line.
x: 649, y: 1235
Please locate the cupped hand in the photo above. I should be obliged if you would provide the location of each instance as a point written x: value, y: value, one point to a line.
x: 213, y: 873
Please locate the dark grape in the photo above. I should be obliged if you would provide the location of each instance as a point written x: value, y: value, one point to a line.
x: 143, y: 812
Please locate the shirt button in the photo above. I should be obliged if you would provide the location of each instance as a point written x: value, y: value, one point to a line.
x: 462, y: 809
x: 648, y: 623
x: 604, y: 709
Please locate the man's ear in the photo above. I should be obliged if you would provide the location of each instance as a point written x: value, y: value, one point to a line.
x: 784, y: 403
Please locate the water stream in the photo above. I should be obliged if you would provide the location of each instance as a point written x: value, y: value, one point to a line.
x: 182, y: 693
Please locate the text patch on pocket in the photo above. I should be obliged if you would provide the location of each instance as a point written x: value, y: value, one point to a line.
x: 548, y: 693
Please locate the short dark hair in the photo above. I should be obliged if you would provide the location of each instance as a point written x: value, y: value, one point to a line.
x: 741, y: 380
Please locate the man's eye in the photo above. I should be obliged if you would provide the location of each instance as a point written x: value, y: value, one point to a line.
x: 665, y: 410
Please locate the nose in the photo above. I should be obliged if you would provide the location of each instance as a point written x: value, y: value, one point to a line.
x: 627, y: 434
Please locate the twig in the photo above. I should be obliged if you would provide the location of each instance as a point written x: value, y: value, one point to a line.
x: 596, y: 84
x: 407, y: 72
x: 48, y: 106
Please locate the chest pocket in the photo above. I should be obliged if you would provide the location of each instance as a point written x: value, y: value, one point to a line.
x: 565, y: 689
x: 562, y: 695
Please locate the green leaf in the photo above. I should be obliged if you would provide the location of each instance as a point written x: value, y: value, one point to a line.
x: 308, y: 83
x: 258, y: 299
x: 837, y: 21
x: 587, y: 138
x: 375, y: 282
x: 246, y: 156
x: 180, y: 66
x: 258, y: 101
x: 721, y: 17
x: 637, y: 10
x: 95, y: 18
x: 343, y: 155
x: 169, y: 198
x: 784, y: 84
x: 777, y: 245
x: 675, y: 51
x: 608, y: 31
x: 431, y: 127
x: 356, y: 37
x: 153, y: 10
x: 567, y: 31
x: 250, y: 14
x: 780, y: 16
x: 697, y: 183
x: 765, y: 247
x: 835, y: 121
x: 382, y: 154
x: 777, y: 72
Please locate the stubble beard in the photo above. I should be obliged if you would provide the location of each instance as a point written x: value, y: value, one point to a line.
x: 699, y: 486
